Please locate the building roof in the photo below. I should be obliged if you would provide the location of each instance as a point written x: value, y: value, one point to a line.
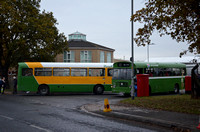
x: 77, y: 36
x: 80, y: 44
x: 77, y: 33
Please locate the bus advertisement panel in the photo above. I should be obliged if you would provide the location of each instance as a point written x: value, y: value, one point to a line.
x: 45, y: 78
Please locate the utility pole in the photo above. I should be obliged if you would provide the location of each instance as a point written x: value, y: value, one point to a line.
x: 132, y: 49
x: 147, y: 52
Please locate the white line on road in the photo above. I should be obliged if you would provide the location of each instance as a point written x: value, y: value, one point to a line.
x: 9, y: 118
x: 40, y: 128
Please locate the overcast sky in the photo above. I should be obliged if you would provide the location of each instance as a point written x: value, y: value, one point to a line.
x: 107, y: 22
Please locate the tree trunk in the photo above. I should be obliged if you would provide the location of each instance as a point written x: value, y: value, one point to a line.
x: 5, y: 74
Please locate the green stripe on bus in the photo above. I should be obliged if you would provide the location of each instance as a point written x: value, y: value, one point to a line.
x: 75, y: 87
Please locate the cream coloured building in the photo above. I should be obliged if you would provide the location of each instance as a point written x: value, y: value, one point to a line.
x: 81, y: 50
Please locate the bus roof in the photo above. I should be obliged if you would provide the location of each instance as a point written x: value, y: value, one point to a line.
x: 152, y: 64
x: 62, y: 64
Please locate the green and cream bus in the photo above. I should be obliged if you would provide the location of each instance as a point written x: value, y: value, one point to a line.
x: 163, y: 77
x: 45, y: 77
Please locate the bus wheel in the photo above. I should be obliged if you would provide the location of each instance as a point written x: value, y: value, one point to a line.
x: 176, y: 88
x: 43, y: 90
x: 98, y: 89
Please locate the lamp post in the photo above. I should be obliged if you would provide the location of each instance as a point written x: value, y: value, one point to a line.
x: 148, y: 51
x: 132, y: 54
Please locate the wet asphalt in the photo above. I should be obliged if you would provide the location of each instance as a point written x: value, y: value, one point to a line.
x: 61, y: 113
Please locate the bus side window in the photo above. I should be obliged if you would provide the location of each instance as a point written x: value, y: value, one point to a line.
x: 176, y: 71
x: 167, y: 71
x: 170, y: 73
x: 139, y: 71
x: 78, y: 72
x: 43, y: 71
x: 151, y: 74
x: 149, y: 71
x: 102, y: 72
x: 155, y: 73
x: 61, y: 71
x: 110, y: 72
x: 184, y: 70
x: 27, y: 72
x: 146, y: 70
x: 96, y: 72
x: 160, y: 72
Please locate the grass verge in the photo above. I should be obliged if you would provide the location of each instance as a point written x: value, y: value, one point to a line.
x: 176, y: 103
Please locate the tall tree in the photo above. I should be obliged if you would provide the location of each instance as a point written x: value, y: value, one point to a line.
x: 27, y: 34
x: 178, y: 18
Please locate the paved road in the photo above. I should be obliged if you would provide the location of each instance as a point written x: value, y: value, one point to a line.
x: 59, y: 113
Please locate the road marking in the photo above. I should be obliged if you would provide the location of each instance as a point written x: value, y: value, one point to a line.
x: 9, y: 118
x: 40, y: 128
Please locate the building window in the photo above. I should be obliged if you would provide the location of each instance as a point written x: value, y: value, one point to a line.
x: 102, y: 56
x: 69, y: 56
x: 86, y: 56
x: 109, y: 57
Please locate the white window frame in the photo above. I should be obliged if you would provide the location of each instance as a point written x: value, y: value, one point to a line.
x: 109, y: 58
x: 69, y: 56
x: 102, y: 57
x: 85, y: 56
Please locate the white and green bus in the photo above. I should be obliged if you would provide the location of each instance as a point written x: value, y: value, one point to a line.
x: 163, y: 77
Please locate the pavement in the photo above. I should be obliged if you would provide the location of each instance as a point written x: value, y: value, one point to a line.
x: 171, y: 120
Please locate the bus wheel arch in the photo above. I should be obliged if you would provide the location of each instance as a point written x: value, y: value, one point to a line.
x: 98, y: 89
x: 43, y: 89
x: 176, y: 88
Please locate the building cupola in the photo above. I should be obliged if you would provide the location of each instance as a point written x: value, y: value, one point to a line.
x: 77, y: 36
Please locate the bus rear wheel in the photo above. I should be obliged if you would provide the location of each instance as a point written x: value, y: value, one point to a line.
x: 98, y: 89
x: 43, y: 90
